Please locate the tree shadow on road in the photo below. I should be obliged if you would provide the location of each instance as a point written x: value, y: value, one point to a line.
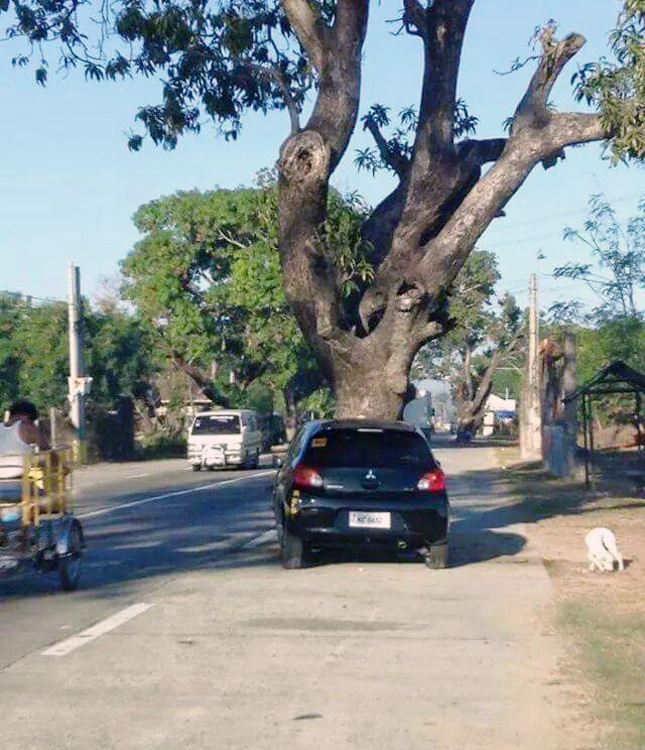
x: 126, y: 550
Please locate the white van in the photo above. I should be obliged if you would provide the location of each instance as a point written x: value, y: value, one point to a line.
x: 218, y: 439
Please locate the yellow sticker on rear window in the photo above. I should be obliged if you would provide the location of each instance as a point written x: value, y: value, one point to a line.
x: 319, y: 442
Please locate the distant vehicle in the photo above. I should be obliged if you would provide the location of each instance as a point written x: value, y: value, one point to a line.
x: 218, y: 439
x: 354, y: 484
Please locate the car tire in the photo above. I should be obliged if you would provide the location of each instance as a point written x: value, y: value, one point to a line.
x: 292, y: 551
x: 69, y: 565
x: 197, y: 467
x: 436, y: 557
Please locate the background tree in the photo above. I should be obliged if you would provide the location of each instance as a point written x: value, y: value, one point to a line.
x: 222, y: 58
x: 206, y: 277
x: 618, y: 274
x: 9, y: 361
x: 485, y: 335
x: 34, y: 354
x: 614, y: 328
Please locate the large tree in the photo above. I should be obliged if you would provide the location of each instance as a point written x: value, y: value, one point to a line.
x: 226, y: 56
x: 206, y: 279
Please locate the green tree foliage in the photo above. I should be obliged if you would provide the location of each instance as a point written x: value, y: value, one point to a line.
x: 206, y: 277
x: 36, y: 349
x: 486, y: 334
x: 9, y: 362
x: 619, y: 269
x: 613, y: 329
x: 216, y: 60
x: 34, y: 354
x: 391, y: 152
x: 470, y: 316
x: 616, y: 85
x: 621, y: 338
x: 120, y: 357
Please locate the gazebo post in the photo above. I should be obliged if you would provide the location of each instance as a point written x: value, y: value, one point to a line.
x: 638, y: 422
x: 586, y: 437
x: 592, y: 473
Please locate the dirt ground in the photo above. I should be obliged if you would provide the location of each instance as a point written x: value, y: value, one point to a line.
x: 601, y: 614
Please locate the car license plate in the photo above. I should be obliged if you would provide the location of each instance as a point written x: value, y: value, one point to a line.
x: 366, y: 520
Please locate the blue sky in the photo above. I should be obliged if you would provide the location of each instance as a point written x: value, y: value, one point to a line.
x: 71, y: 186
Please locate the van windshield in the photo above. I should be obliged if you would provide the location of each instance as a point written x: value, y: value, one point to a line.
x: 217, y: 424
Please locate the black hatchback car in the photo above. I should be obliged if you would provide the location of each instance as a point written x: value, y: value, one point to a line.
x: 355, y: 484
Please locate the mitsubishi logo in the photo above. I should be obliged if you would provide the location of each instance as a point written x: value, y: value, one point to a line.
x: 370, y: 474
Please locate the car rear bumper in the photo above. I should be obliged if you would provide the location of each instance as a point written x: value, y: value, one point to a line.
x: 413, y: 523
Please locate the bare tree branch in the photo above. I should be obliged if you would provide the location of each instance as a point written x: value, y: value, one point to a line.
x: 482, y: 151
x: 200, y: 380
x: 537, y: 135
x: 436, y: 179
x: 307, y: 159
x: 275, y: 74
x: 555, y: 55
x: 415, y: 18
x: 231, y: 240
x: 390, y: 156
x: 573, y: 128
x: 336, y: 109
x: 311, y: 30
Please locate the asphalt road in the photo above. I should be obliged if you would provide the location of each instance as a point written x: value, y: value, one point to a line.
x: 187, y: 633
x: 143, y: 522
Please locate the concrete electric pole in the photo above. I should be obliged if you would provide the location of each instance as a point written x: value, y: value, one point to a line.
x: 531, y: 429
x: 78, y: 384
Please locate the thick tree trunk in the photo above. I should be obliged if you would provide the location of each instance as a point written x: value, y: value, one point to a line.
x: 423, y: 233
x: 470, y: 417
x: 366, y: 393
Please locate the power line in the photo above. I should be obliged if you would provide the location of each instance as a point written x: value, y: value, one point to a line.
x: 21, y: 296
x: 544, y: 217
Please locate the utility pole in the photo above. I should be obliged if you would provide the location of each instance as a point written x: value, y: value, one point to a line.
x: 533, y: 327
x: 531, y: 429
x: 78, y: 384
x: 569, y: 385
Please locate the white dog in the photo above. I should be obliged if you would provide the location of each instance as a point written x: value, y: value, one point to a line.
x: 602, y: 549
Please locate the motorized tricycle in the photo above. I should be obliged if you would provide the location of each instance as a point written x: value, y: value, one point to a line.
x: 38, y: 527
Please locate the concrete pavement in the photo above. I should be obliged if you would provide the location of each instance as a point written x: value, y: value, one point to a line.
x: 234, y: 652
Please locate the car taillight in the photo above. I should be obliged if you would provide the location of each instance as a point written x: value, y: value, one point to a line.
x: 432, y: 481
x: 305, y: 476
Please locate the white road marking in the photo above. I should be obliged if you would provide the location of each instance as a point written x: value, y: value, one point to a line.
x: 268, y: 536
x: 138, y: 476
x: 96, y: 631
x: 145, y: 500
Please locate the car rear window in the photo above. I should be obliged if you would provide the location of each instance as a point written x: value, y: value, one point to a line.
x: 366, y: 448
